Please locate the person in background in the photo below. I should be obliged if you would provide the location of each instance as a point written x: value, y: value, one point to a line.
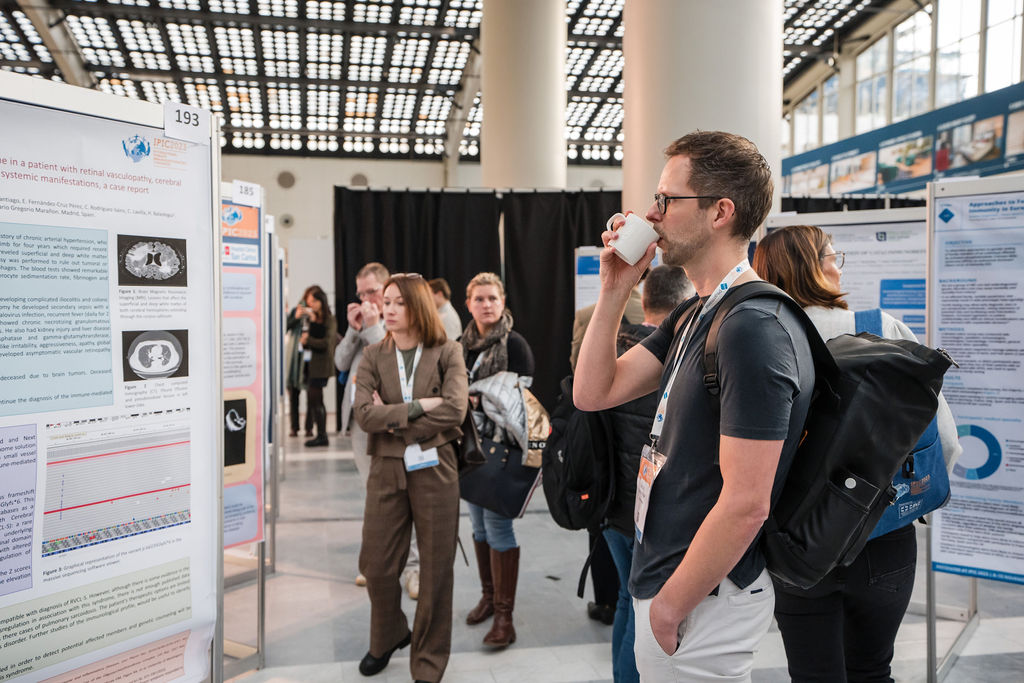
x: 714, y: 464
x: 844, y: 628
x: 665, y: 288
x: 442, y: 298
x: 411, y: 398
x: 294, y: 377
x: 319, y: 339
x: 366, y: 327
x: 490, y: 345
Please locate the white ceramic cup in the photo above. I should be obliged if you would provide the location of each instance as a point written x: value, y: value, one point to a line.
x: 635, y: 235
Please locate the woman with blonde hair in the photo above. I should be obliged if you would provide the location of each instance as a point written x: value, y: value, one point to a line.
x: 411, y: 397
x: 491, y: 346
x: 844, y: 628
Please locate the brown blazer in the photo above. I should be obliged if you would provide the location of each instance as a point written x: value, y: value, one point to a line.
x: 441, y: 372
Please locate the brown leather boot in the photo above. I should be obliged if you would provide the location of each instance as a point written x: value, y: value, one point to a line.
x: 505, y: 566
x: 485, y: 608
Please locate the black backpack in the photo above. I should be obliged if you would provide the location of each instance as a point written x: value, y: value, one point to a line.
x: 579, y: 464
x: 873, y: 399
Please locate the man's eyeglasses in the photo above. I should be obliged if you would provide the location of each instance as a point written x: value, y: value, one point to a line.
x: 364, y: 295
x: 839, y: 256
x: 662, y: 200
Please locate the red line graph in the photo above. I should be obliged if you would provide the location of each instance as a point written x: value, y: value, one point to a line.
x: 104, y: 455
x: 110, y: 500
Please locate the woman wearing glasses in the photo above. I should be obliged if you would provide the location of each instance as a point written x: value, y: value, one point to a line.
x: 411, y: 398
x: 491, y: 346
x: 844, y: 627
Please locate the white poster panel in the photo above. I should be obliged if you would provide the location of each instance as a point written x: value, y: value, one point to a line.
x: 886, y: 258
x: 108, y: 484
x: 588, y: 283
x: 977, y: 299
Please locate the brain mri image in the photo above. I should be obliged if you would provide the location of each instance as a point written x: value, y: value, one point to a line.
x: 146, y: 261
x: 152, y: 260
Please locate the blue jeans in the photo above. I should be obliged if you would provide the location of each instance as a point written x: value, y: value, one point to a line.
x: 623, y: 631
x: 492, y: 527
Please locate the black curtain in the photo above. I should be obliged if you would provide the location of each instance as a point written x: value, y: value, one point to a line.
x: 453, y: 235
x: 541, y: 231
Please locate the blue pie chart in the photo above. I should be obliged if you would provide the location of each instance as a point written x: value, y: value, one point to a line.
x: 995, y: 453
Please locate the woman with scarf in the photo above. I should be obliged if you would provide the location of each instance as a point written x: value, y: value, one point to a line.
x: 491, y: 346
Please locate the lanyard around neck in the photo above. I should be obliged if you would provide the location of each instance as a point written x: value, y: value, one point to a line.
x: 406, y: 380
x: 713, y: 300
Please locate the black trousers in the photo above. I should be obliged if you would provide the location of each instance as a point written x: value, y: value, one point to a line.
x: 293, y: 415
x: 315, y: 405
x: 844, y: 628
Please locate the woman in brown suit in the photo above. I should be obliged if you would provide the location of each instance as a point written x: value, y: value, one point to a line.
x: 411, y: 398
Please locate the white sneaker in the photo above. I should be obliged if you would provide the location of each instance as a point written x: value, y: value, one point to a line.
x: 412, y: 583
x: 360, y: 580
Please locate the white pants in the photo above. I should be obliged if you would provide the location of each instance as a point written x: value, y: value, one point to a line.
x: 717, y: 639
x: 362, y: 460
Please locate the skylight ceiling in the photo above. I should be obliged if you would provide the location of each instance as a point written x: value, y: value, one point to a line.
x: 373, y: 78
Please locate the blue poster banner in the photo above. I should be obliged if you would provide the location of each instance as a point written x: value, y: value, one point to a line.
x: 980, y: 136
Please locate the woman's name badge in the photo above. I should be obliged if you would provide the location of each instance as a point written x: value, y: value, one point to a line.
x: 417, y: 459
x: 651, y: 462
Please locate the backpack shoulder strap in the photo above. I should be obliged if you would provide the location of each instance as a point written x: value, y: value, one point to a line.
x: 868, y: 321
x: 824, y: 364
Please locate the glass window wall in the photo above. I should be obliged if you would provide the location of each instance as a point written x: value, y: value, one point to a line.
x: 1003, y: 43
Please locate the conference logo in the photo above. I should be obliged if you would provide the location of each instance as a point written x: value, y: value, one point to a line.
x: 136, y: 148
x: 230, y: 215
x: 946, y: 215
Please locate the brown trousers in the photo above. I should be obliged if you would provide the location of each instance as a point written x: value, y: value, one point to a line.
x: 395, y: 501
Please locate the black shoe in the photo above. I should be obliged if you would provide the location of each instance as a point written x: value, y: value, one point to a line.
x: 318, y: 441
x: 371, y: 666
x: 603, y: 613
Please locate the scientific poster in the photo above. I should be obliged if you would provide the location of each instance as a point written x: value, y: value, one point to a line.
x: 886, y: 259
x: 107, y: 353
x: 978, y: 317
x: 244, y: 348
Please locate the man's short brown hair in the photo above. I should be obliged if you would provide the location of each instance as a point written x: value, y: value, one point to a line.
x: 728, y: 165
x: 440, y: 286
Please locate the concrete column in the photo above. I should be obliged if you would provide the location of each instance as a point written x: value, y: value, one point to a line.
x: 694, y: 64
x: 522, y: 140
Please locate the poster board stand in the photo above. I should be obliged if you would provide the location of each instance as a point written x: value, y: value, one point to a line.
x: 976, y: 273
x: 107, y: 217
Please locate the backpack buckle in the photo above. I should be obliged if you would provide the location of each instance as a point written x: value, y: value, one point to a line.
x: 711, y: 383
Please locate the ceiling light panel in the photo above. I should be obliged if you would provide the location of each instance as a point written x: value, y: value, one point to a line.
x: 372, y: 11
x: 230, y: 6
x: 450, y: 58
x: 237, y: 49
x: 275, y: 8
x: 419, y: 13
x: 244, y: 103
x: 192, y: 5
x: 144, y: 44
x: 323, y: 107
x: 205, y: 94
x: 463, y: 14
x: 597, y: 19
x: 432, y: 117
x: 408, y: 59
x: 284, y: 104
x: 603, y: 71
x: 123, y: 87
x: 366, y: 57
x: 11, y: 46
x: 397, y: 112
x: 326, y: 10
x: 191, y: 47
x: 31, y: 35
x: 280, y: 53
x: 360, y: 110
x: 577, y: 57
x: 324, y: 55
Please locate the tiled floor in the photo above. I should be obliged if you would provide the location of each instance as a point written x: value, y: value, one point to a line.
x: 317, y: 618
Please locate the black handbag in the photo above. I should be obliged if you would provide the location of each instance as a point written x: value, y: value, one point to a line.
x: 469, y: 452
x: 502, y: 484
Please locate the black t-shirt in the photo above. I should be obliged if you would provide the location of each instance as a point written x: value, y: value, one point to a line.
x: 766, y: 374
